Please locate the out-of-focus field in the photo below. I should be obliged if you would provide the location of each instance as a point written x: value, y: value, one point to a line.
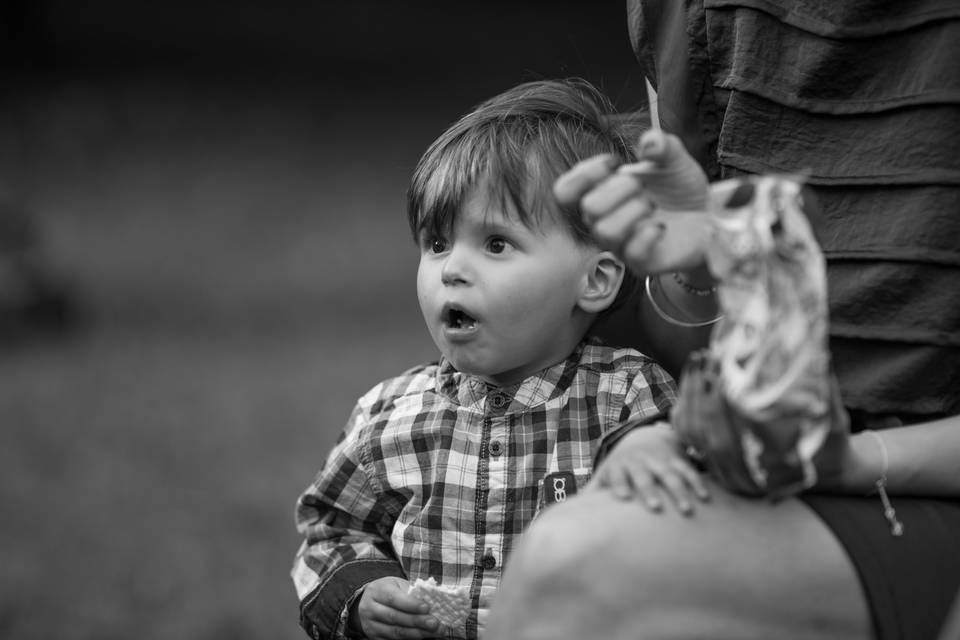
x: 238, y: 249
x: 232, y: 307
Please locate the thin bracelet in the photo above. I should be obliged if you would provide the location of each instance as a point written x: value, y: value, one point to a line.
x: 896, y: 527
x: 692, y: 290
x: 670, y: 319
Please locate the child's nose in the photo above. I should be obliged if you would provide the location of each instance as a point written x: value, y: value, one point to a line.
x: 455, y: 268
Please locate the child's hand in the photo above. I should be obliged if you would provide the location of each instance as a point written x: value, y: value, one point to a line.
x: 386, y: 610
x: 647, y: 464
x: 651, y: 213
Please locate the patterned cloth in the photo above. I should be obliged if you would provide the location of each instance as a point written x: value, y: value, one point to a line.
x: 437, y: 473
x: 760, y: 403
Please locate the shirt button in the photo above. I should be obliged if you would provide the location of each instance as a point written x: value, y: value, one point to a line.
x: 499, y: 400
x: 496, y: 448
x: 489, y: 562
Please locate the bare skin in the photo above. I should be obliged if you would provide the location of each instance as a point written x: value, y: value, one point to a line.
x: 651, y: 213
x: 386, y: 610
x: 648, y: 465
x: 624, y: 209
x: 737, y: 569
x: 611, y: 563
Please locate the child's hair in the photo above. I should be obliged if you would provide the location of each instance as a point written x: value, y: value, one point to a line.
x: 521, y: 140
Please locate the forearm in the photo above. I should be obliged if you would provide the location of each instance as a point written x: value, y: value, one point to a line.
x: 325, y: 611
x: 922, y: 459
x: 669, y: 342
x: 338, y: 557
x: 346, y: 545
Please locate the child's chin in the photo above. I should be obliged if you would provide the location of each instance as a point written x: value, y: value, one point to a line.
x: 470, y: 367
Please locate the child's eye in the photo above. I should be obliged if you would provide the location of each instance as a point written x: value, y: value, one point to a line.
x: 496, y: 245
x: 437, y: 245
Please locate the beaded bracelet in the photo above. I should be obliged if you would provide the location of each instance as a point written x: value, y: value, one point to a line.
x: 689, y: 288
x: 670, y: 319
x: 896, y: 527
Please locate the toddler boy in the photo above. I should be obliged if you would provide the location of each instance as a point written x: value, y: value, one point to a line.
x: 440, y: 470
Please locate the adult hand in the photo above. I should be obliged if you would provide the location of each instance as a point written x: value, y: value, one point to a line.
x: 701, y: 420
x: 386, y: 610
x: 706, y: 422
x: 651, y: 213
x: 648, y: 465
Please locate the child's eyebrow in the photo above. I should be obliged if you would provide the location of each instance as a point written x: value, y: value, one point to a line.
x: 500, y: 225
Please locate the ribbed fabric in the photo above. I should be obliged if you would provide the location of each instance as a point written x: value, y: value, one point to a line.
x: 862, y: 97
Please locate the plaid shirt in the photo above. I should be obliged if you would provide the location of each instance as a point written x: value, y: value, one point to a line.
x: 437, y: 474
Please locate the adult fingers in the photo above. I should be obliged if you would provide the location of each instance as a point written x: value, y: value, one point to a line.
x: 641, y: 249
x: 673, y: 485
x: 645, y: 487
x: 571, y: 186
x: 607, y: 196
x: 602, y: 477
x: 619, y: 482
x: 618, y: 228
x: 613, y: 477
x: 670, y: 172
x: 691, y: 478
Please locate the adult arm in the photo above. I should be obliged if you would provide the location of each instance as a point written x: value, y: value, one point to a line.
x: 652, y: 213
x: 649, y: 466
x: 922, y: 459
x: 624, y: 212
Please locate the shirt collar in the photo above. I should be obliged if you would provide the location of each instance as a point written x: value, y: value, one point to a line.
x: 468, y: 390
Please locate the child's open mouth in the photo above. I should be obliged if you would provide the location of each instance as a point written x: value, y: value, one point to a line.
x: 459, y: 319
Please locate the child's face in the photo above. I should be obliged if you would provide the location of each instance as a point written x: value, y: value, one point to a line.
x: 501, y: 299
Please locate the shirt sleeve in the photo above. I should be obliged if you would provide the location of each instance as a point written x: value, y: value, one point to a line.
x: 346, y: 531
x: 649, y: 394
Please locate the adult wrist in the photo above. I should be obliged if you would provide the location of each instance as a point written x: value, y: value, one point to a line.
x: 697, y: 281
x: 846, y: 465
x: 880, y: 485
x: 863, y: 465
x: 680, y: 303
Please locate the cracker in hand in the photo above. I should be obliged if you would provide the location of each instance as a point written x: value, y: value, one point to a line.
x: 449, y: 605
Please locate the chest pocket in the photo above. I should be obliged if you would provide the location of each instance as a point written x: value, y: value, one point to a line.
x: 560, y: 486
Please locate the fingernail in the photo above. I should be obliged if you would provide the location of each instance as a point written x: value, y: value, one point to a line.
x: 653, y: 231
x: 653, y: 504
x: 651, y: 145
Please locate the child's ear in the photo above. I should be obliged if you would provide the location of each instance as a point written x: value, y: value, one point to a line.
x: 601, y: 282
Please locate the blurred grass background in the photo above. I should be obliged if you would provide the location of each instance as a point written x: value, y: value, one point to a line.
x: 221, y: 187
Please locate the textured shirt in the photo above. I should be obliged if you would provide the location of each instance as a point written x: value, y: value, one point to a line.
x: 862, y: 97
x: 438, y: 473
